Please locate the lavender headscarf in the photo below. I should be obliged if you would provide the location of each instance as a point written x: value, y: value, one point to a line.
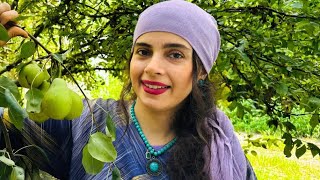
x: 199, y: 28
x: 186, y: 20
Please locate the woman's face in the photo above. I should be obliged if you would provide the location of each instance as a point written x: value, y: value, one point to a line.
x: 161, y: 70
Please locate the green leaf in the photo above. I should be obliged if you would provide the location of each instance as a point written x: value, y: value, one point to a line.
x: 90, y: 164
x: 17, y: 173
x: 240, y: 111
x: 55, y: 70
x: 287, y: 137
x: 298, y: 142
x: 300, y: 151
x: 244, y: 56
x: 6, y: 161
x: 101, y: 148
x: 289, y: 126
x: 253, y: 152
x: 27, y: 49
x: 314, y: 121
x: 4, y: 36
x: 16, y: 113
x: 288, y: 144
x: 314, y: 149
x: 116, y: 174
x: 313, y: 103
x: 6, y: 83
x: 287, y: 150
x: 282, y: 89
x: 233, y: 105
x: 111, y: 128
x: 34, y: 97
x: 20, y: 18
x: 58, y: 57
x: 4, y: 171
x: 258, y: 81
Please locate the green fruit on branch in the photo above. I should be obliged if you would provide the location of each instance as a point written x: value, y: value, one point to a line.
x: 38, y: 117
x: 57, y: 101
x: 31, y: 75
x: 44, y: 86
x: 76, y: 107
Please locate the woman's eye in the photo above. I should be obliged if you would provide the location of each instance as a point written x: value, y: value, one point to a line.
x: 143, y: 52
x: 176, y: 55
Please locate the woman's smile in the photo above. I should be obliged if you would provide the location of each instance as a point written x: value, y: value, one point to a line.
x: 154, y: 87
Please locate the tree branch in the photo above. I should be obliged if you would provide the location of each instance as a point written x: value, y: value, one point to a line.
x: 253, y: 10
x: 6, y: 138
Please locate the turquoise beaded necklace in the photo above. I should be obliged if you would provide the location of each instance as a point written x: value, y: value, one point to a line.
x: 154, y: 166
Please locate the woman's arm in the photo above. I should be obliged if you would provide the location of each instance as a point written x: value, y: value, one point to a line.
x: 53, y: 137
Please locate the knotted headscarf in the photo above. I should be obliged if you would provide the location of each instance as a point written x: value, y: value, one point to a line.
x: 186, y: 20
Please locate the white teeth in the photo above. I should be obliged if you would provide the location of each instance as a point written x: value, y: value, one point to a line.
x: 155, y: 86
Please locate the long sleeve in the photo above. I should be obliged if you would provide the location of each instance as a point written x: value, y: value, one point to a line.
x: 60, y: 133
x: 53, y: 137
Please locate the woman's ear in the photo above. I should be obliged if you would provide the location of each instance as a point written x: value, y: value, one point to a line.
x: 202, y: 74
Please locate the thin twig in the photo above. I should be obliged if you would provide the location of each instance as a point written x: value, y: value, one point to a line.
x: 6, y: 138
x: 254, y: 10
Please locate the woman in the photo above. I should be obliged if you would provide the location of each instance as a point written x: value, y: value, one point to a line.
x: 166, y: 122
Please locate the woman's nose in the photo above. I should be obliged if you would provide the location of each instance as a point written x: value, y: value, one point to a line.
x: 155, y: 65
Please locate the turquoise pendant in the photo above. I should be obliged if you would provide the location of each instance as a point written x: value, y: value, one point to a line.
x: 154, y: 167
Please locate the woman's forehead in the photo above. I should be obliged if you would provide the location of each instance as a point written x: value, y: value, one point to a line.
x: 164, y: 39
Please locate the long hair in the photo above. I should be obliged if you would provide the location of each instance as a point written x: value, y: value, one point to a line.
x: 187, y: 159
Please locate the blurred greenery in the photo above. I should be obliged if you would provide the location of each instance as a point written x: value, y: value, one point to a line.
x: 271, y: 164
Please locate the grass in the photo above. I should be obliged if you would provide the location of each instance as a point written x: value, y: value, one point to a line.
x: 272, y: 164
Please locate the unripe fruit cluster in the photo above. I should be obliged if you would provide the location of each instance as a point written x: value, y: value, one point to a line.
x: 58, y: 102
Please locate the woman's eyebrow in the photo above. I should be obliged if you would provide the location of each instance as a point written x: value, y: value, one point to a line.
x: 142, y: 44
x: 168, y: 45
x: 176, y: 45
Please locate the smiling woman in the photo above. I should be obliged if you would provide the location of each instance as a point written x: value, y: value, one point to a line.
x: 167, y: 124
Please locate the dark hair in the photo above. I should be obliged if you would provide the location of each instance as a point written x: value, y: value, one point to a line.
x: 187, y: 160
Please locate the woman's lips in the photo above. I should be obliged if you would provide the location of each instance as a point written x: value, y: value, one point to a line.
x: 153, y: 87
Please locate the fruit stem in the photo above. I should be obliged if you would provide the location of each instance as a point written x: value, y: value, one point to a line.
x: 6, y: 138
